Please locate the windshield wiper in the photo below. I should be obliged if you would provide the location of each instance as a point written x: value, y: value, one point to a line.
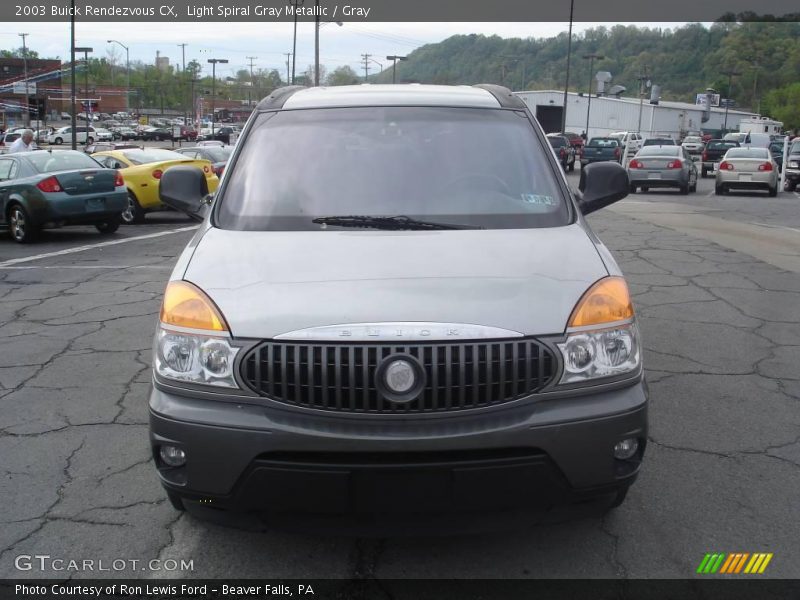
x: 392, y: 223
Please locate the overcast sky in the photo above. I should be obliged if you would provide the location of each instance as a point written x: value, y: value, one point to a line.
x: 267, y: 41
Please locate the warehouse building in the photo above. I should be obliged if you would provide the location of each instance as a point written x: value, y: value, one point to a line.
x: 609, y: 114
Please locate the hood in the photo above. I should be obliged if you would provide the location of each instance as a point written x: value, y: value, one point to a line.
x: 268, y: 283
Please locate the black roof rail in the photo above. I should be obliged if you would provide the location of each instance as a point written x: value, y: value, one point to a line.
x: 278, y: 97
x: 502, y: 94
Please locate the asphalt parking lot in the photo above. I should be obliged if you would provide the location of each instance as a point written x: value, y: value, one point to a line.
x: 716, y: 283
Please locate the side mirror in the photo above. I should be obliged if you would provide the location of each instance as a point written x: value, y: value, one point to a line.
x: 601, y: 184
x: 185, y: 189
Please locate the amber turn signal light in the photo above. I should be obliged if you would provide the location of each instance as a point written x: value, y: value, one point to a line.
x: 186, y: 305
x: 607, y: 301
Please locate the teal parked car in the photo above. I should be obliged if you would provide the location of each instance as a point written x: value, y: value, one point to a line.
x: 46, y: 188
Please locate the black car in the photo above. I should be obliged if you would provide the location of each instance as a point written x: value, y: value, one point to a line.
x: 222, y: 134
x: 218, y: 155
x: 157, y: 134
x: 793, y: 166
x: 564, y: 150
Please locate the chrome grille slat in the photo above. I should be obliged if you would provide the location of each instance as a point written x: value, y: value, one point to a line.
x: 340, y: 377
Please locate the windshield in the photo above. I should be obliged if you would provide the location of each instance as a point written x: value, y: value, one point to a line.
x: 62, y: 160
x: 604, y: 142
x: 151, y: 155
x: 746, y: 153
x: 557, y: 142
x: 712, y: 145
x: 460, y: 166
x: 659, y: 151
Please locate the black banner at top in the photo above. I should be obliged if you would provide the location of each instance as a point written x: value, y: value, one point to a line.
x: 600, y: 11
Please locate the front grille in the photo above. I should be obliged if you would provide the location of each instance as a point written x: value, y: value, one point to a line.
x: 341, y: 377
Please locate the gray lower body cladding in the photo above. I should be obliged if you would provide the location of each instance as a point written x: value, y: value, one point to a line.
x: 535, y: 455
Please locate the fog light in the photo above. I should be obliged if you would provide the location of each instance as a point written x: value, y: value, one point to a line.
x: 173, y: 456
x: 626, y: 449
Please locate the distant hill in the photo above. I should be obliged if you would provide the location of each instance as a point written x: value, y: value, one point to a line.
x: 682, y: 61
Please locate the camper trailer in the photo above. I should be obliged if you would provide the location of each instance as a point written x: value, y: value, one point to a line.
x: 760, y: 124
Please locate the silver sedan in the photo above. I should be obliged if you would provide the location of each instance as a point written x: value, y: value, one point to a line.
x: 747, y: 168
x: 662, y: 166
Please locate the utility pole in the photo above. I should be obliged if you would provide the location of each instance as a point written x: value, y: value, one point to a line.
x: 25, y: 68
x: 569, y: 57
x: 128, y: 71
x: 731, y: 74
x: 194, y: 102
x: 591, y: 58
x: 73, y: 120
x: 249, y: 98
x: 183, y: 78
x: 365, y: 58
x: 85, y: 51
x: 214, y: 62
x: 295, y: 3
x: 288, y: 60
x: 642, y: 78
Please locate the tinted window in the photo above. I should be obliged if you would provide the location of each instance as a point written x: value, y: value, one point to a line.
x: 659, y: 142
x: 480, y: 167
x: 660, y: 151
x: 61, y: 160
x: 747, y: 153
x: 557, y: 142
x: 603, y: 142
x: 218, y: 153
x: 151, y: 155
x: 717, y: 145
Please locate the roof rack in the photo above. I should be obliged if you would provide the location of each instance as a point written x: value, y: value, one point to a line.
x: 278, y: 97
x: 502, y: 94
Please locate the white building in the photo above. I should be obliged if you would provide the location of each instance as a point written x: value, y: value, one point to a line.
x: 609, y: 114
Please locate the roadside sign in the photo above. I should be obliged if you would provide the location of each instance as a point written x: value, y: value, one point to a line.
x: 19, y: 88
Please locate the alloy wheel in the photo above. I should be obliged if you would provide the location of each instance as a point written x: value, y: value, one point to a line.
x: 18, y: 224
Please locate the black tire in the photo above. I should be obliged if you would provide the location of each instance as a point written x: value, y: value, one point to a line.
x: 645, y: 189
x: 693, y: 187
x: 89, y: 140
x: 684, y: 189
x: 633, y: 189
x: 790, y: 186
x: 108, y: 226
x: 176, y: 501
x: 704, y: 172
x: 58, y: 141
x: 572, y: 166
x: 773, y: 191
x: 719, y: 190
x: 134, y: 214
x: 20, y: 225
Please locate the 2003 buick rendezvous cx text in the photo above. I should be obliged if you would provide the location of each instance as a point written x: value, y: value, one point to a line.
x: 394, y: 306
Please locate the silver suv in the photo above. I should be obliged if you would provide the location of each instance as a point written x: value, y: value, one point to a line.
x: 394, y: 306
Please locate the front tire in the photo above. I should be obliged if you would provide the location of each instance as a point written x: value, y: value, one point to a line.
x: 176, y: 501
x: 58, y: 141
x: 109, y: 226
x: 134, y: 213
x: 20, y: 225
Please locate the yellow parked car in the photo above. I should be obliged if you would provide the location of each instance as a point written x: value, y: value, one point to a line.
x: 141, y: 169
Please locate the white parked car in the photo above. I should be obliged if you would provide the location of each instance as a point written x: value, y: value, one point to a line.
x: 103, y: 135
x: 630, y: 138
x: 64, y: 135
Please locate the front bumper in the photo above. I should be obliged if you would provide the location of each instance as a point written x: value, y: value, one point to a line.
x: 536, y: 454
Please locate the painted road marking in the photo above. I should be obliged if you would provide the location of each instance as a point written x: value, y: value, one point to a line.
x: 16, y: 261
x: 60, y: 267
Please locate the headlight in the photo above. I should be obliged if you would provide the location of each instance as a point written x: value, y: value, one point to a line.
x: 595, y: 354
x: 794, y: 164
x: 602, y: 337
x: 195, y: 358
x: 192, y: 342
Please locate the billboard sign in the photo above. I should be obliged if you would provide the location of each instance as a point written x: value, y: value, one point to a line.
x: 701, y: 99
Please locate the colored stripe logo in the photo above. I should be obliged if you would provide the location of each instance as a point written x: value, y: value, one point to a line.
x: 734, y: 563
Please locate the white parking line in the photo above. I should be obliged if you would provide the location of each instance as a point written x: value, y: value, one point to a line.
x: 16, y: 261
x: 62, y: 267
x: 776, y: 226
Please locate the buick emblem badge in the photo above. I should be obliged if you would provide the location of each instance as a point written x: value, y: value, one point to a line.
x: 399, y: 376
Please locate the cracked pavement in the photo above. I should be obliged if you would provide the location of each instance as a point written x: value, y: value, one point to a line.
x: 721, y: 330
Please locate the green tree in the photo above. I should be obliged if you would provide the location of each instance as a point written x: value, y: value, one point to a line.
x: 783, y: 104
x: 344, y: 75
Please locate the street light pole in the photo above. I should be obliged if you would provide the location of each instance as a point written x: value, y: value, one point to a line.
x: 731, y: 74
x: 73, y: 120
x: 569, y: 57
x: 591, y: 58
x: 317, y: 25
x: 85, y: 51
x: 128, y: 74
x: 214, y: 62
x: 25, y: 70
x: 394, y: 58
x: 295, y: 3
